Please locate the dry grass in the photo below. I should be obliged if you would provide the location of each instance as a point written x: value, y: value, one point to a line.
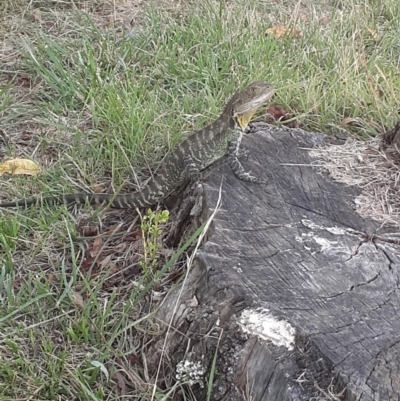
x: 371, y: 166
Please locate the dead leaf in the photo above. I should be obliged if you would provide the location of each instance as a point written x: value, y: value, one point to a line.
x: 97, y: 189
x: 52, y: 278
x: 324, y: 21
x: 276, y: 112
x: 134, y: 359
x: 96, y: 247
x: 87, y: 263
x: 121, y: 382
x: 375, y: 35
x: 77, y: 299
x: 138, y: 234
x: 37, y: 15
x: 105, y: 262
x: 19, y: 166
x: 121, y: 247
x: 113, y: 229
x: 352, y: 122
x: 279, y: 31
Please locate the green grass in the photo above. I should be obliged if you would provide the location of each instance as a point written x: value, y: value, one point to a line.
x: 96, y: 108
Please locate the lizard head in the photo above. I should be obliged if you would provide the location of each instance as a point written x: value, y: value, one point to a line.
x: 245, y: 103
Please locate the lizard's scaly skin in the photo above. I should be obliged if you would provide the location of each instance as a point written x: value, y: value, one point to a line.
x: 194, y: 154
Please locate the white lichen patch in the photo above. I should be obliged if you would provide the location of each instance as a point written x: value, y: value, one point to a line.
x: 190, y: 373
x: 261, y: 323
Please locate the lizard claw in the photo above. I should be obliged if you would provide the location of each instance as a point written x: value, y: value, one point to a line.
x: 243, y: 152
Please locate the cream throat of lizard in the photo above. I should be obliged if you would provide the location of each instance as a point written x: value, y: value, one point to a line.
x: 244, y: 119
x: 246, y: 103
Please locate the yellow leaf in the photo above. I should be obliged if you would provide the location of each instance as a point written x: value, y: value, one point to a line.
x: 375, y: 35
x: 279, y: 31
x: 19, y: 166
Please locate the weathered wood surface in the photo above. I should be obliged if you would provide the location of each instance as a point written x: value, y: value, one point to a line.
x: 296, y: 248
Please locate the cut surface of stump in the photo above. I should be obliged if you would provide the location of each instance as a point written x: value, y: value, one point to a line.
x: 289, y: 290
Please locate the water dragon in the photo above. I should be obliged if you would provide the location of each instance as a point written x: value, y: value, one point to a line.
x: 197, y: 152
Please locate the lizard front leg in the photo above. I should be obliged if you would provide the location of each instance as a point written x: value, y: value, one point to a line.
x: 234, y: 162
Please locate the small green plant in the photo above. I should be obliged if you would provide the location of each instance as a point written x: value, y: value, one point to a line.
x: 151, y: 238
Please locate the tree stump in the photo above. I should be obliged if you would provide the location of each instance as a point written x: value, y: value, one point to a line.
x: 291, y: 290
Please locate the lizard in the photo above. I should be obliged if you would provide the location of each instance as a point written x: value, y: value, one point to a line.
x: 186, y: 162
